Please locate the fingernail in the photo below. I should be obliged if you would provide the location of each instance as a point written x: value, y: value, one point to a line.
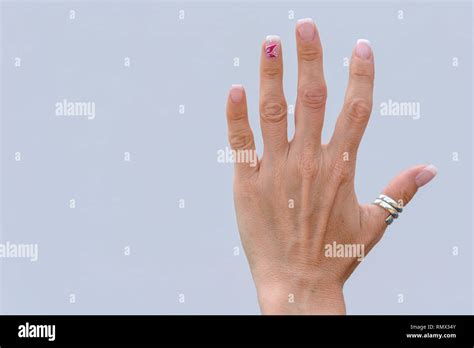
x: 236, y: 93
x: 306, y: 29
x: 426, y: 175
x: 272, y: 46
x: 363, y: 49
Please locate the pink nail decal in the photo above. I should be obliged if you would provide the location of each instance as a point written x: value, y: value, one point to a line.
x: 271, y: 50
x: 272, y: 46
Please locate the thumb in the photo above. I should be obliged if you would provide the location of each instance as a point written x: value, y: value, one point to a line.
x: 402, y: 189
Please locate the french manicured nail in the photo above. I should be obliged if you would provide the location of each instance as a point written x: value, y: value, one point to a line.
x: 272, y: 46
x: 426, y: 175
x: 363, y: 49
x: 306, y: 29
x: 236, y: 93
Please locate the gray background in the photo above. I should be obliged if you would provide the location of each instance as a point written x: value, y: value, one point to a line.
x: 190, y: 251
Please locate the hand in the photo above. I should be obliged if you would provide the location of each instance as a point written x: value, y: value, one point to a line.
x: 297, y: 206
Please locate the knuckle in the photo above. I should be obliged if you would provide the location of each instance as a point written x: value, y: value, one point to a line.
x: 272, y: 71
x: 358, y: 111
x: 240, y: 139
x: 341, y: 171
x: 362, y: 70
x: 310, y: 54
x: 273, y: 111
x: 313, y: 96
x: 238, y: 116
x: 308, y: 165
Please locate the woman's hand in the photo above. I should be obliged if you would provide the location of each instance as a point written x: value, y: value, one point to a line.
x: 302, y: 227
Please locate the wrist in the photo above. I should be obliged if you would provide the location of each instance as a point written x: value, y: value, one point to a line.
x: 301, y: 297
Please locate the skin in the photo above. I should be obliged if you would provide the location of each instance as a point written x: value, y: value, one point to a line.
x: 300, y: 196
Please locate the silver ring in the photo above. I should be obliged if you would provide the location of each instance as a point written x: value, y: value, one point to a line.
x: 392, y: 202
x: 389, y: 220
x: 390, y: 205
x: 387, y: 207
